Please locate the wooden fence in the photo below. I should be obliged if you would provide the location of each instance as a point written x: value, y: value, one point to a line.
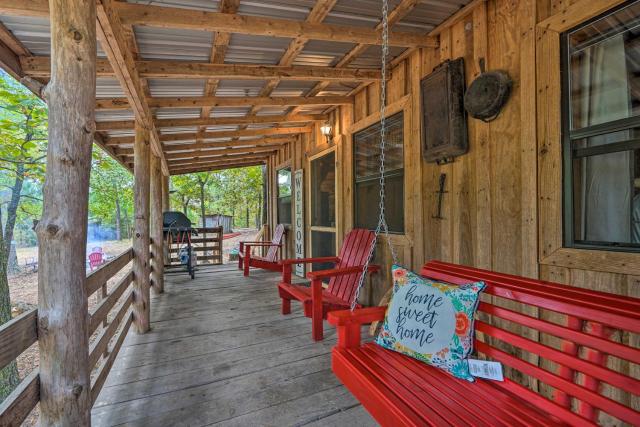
x: 20, y: 333
x: 207, y: 246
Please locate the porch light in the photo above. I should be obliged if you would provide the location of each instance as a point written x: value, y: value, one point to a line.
x: 327, y: 131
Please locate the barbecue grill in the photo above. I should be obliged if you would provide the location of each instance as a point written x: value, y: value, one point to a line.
x: 177, y: 231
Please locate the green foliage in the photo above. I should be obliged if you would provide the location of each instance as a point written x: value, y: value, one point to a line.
x: 228, y: 192
x: 110, y: 194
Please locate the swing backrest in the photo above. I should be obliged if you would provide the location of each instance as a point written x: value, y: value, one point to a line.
x: 354, y: 252
x: 272, y: 253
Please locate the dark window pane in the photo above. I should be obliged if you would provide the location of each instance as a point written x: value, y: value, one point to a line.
x: 604, y: 61
x: 606, y: 198
x: 323, y: 191
x: 367, y: 148
x: 367, y: 173
x: 284, y: 210
x: 323, y: 243
x: 367, y: 197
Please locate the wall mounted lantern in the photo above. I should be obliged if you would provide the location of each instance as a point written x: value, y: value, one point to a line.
x: 327, y: 131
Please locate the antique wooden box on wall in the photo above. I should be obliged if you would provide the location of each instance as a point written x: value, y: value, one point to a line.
x: 444, y: 133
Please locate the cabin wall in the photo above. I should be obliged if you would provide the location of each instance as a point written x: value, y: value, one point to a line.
x: 490, y: 206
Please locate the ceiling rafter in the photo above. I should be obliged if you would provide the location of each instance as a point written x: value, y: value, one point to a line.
x: 220, y: 44
x: 317, y: 14
x: 113, y: 41
x: 40, y: 67
x: 215, y: 167
x: 216, y: 121
x: 395, y: 16
x: 223, y: 101
x: 179, y: 18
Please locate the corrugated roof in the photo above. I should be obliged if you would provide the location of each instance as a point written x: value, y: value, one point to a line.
x: 192, y: 45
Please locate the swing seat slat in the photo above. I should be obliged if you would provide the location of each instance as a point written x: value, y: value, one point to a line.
x: 572, y: 362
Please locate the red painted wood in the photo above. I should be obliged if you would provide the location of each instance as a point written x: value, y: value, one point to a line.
x: 398, y: 390
x: 270, y: 261
x: 318, y: 302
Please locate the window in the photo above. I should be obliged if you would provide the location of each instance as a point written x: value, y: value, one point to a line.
x: 323, y: 191
x: 323, y: 208
x: 284, y: 196
x: 367, y: 187
x: 601, y: 131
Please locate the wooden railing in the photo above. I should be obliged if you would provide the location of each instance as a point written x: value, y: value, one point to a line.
x: 208, y: 248
x: 20, y: 333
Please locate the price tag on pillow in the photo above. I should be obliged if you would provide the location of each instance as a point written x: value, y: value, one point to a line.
x: 486, y: 369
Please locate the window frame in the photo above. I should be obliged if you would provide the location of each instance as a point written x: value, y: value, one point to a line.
x: 395, y: 173
x: 278, y: 197
x: 568, y: 135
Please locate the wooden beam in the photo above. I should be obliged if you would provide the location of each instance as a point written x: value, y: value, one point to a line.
x: 320, y: 10
x: 396, y: 15
x: 114, y: 42
x: 155, y: 226
x: 211, y: 168
x: 38, y: 66
x: 63, y: 330
x: 235, y: 133
x: 223, y: 101
x: 141, y: 309
x: 218, y: 121
x: 219, y: 50
x: 197, y: 154
x: 227, y: 158
x: 170, y: 17
x: 260, y: 142
x: 128, y: 140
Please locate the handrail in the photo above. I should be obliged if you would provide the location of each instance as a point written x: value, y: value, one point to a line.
x: 96, y: 279
x: 17, y: 335
x: 20, y: 333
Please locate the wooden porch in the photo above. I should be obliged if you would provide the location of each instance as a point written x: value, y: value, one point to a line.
x: 220, y: 352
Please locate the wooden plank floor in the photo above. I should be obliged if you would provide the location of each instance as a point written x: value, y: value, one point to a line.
x: 220, y: 353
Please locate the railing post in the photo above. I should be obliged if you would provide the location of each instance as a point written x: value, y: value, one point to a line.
x: 63, y: 338
x: 157, y: 273
x: 141, y: 265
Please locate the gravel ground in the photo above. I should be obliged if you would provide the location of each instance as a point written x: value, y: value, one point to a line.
x: 23, y: 288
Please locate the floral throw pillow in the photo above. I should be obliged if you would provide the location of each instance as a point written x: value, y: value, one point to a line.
x: 431, y: 321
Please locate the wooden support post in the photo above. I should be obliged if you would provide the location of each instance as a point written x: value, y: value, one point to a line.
x: 157, y: 262
x: 166, y: 201
x: 63, y: 337
x: 141, y: 265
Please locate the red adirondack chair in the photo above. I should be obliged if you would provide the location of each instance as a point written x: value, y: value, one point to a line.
x: 270, y: 262
x: 316, y: 301
x: 95, y: 260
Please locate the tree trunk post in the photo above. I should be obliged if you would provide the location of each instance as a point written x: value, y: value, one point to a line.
x: 63, y: 332
x: 157, y: 262
x: 141, y: 265
x: 166, y: 201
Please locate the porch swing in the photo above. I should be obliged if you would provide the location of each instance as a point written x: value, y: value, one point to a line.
x: 353, y: 263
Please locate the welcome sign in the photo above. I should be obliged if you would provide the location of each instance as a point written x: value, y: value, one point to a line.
x: 299, y: 219
x: 421, y: 318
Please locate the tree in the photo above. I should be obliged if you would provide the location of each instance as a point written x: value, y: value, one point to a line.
x: 111, y: 193
x: 23, y: 136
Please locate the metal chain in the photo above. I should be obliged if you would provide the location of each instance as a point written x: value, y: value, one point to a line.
x: 382, y: 221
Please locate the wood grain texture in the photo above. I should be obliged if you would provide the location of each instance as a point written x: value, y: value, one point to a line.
x: 62, y: 229
x: 220, y: 352
x: 19, y: 404
x: 141, y: 260
x: 17, y: 335
x: 155, y: 226
x: 96, y: 279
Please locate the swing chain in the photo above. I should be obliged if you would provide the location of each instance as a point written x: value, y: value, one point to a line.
x: 382, y: 221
